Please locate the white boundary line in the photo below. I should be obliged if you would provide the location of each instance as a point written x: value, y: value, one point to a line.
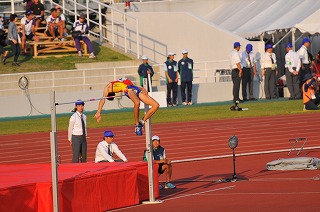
x: 241, y: 154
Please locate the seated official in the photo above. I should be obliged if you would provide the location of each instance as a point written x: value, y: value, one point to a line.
x: 106, y: 148
x: 159, y: 156
x: 311, y: 98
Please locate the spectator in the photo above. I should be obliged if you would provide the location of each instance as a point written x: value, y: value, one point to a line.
x: 171, y: 70
x: 311, y: 98
x: 2, y: 39
x: 28, y: 30
x: 236, y: 73
x: 82, y: 27
x: 106, y: 148
x: 249, y: 70
x: 54, y: 27
x: 144, y: 70
x: 269, y: 71
x: 14, y: 40
x: 136, y: 94
x: 164, y: 164
x: 77, y: 133
x: 316, y: 65
x: 292, y: 65
x: 38, y: 10
x: 305, y: 60
x: 28, y: 4
x: 185, y: 68
x: 62, y: 19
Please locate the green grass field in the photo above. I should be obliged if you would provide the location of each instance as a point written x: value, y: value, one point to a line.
x: 29, y: 64
x: 208, y: 111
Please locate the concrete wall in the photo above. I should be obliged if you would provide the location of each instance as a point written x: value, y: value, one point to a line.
x: 19, y: 105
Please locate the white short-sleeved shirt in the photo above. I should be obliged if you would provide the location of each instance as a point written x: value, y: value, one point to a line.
x: 235, y: 57
x: 266, y: 61
x: 292, y: 60
x: 28, y: 25
x: 245, y: 59
x: 303, y: 54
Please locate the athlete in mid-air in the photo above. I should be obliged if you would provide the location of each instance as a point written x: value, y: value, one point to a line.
x: 135, y: 93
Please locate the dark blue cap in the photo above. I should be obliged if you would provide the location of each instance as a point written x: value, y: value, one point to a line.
x: 79, y: 102
x: 108, y: 133
x: 249, y: 47
x: 236, y: 44
x: 305, y: 40
x: 289, y: 45
x: 269, y: 46
x: 29, y: 12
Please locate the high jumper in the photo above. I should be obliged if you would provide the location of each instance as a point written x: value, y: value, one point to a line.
x: 133, y: 92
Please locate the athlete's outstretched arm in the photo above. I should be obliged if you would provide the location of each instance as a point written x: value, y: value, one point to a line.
x: 106, y: 91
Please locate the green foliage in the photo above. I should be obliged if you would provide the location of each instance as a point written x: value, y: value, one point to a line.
x: 123, y: 117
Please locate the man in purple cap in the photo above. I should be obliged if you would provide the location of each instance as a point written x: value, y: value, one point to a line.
x: 304, y: 58
x: 269, y: 71
x: 107, y: 147
x: 236, y: 73
x: 292, y: 65
x: 249, y: 70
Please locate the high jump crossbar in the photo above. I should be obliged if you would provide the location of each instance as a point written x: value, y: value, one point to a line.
x: 88, y: 100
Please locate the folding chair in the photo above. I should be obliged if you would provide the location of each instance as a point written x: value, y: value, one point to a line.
x: 294, y: 141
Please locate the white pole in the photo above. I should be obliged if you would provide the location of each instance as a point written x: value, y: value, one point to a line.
x: 12, y: 7
x: 293, y: 39
x: 148, y: 133
x: 54, y: 157
x: 125, y: 33
x: 149, y: 149
x: 100, y: 24
x: 150, y: 86
x: 138, y: 42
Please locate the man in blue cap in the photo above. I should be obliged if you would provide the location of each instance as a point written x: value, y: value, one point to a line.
x: 144, y: 70
x: 305, y: 60
x: 107, y: 147
x: 292, y: 65
x: 236, y: 73
x: 77, y: 133
x: 249, y: 70
x: 269, y: 71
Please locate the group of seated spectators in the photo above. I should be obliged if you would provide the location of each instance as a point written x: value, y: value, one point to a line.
x: 30, y: 24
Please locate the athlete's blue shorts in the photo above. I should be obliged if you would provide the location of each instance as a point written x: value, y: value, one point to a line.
x: 136, y: 89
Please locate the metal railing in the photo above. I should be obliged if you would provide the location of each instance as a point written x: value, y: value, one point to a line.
x: 97, y: 78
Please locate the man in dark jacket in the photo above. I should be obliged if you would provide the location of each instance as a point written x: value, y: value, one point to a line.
x: 145, y: 69
x: 185, y: 68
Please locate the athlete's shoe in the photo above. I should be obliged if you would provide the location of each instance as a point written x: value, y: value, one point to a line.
x: 170, y: 185
x: 138, y: 129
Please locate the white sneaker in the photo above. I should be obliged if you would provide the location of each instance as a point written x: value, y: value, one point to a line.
x: 190, y: 103
x: 55, y: 39
x: 62, y: 39
x: 92, y: 55
x: 79, y: 53
x: 184, y: 103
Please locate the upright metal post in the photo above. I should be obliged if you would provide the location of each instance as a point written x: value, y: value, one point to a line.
x: 148, y: 132
x: 100, y: 24
x: 54, y: 157
x: 147, y: 126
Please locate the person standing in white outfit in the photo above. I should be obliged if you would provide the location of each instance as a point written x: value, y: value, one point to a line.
x: 77, y: 133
